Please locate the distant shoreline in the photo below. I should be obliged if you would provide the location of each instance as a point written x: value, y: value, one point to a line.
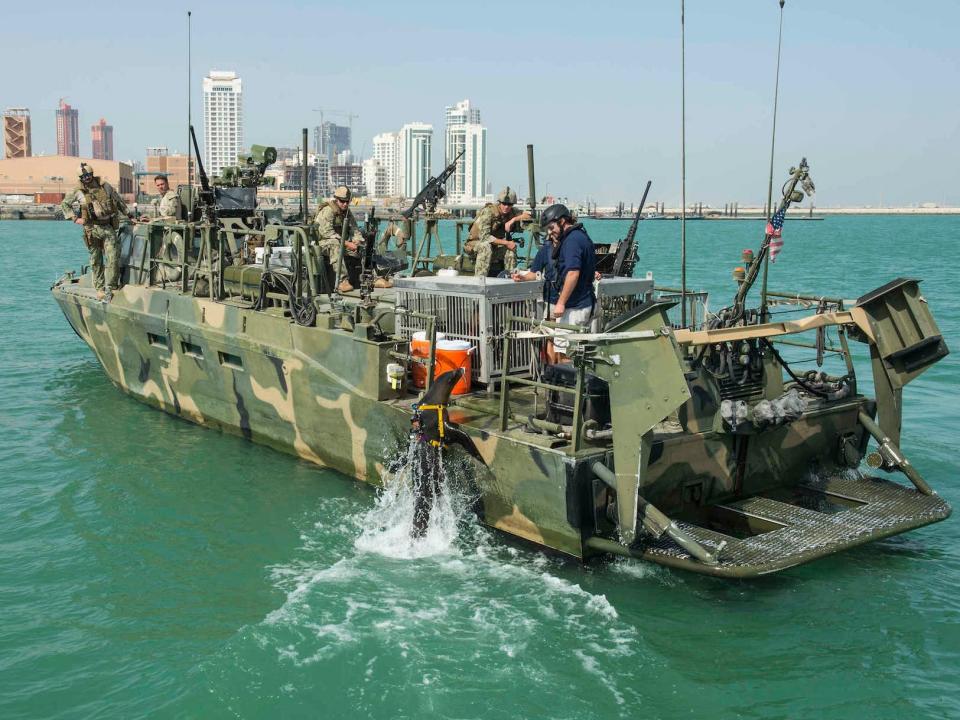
x: 14, y: 211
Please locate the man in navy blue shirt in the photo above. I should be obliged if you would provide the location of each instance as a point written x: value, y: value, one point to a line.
x: 567, y: 264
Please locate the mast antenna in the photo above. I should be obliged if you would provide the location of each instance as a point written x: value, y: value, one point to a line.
x: 683, y: 174
x: 189, y: 115
x: 773, y: 143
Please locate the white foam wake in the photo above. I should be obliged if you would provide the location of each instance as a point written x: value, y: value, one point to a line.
x: 385, y: 528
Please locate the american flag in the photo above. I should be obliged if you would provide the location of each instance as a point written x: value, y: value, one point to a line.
x: 774, y: 228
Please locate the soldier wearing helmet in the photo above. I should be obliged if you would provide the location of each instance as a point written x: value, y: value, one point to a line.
x: 329, y: 222
x: 488, y: 233
x: 101, y: 209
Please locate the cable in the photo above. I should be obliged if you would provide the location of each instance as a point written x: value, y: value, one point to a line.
x: 783, y: 363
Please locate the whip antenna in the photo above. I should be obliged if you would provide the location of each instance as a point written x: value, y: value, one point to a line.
x: 189, y: 118
x: 773, y: 143
x: 683, y: 175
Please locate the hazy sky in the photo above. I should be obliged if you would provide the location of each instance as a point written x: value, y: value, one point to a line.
x: 868, y: 89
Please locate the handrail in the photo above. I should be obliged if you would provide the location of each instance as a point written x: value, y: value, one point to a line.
x: 506, y: 380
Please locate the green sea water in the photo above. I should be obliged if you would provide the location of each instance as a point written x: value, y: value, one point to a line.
x: 152, y: 568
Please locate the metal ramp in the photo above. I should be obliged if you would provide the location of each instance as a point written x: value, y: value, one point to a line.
x: 764, y: 534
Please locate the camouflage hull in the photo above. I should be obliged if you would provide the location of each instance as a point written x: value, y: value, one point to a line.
x: 198, y: 360
x: 320, y: 393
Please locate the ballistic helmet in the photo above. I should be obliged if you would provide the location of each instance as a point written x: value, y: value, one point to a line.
x: 342, y: 193
x: 507, y: 197
x: 85, y: 172
x: 554, y: 213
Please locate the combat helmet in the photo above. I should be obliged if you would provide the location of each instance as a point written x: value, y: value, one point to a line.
x: 85, y: 171
x: 342, y: 193
x: 554, y: 213
x: 507, y: 196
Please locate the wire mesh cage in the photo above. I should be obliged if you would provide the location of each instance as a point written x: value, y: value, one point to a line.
x: 474, y: 309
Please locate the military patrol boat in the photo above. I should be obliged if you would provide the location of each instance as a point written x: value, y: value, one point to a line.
x: 694, y: 445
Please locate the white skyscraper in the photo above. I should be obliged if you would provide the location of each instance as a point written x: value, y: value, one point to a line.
x: 414, y: 149
x: 385, y: 153
x: 465, y: 133
x: 222, y: 120
x: 375, y: 178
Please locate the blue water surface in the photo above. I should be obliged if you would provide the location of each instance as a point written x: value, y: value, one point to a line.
x: 152, y: 568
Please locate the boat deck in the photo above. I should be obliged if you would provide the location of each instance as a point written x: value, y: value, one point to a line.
x: 825, y: 515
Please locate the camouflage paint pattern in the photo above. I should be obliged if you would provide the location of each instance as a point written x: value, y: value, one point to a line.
x: 321, y: 393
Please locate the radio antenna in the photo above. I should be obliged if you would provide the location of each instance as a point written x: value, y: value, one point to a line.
x: 189, y: 116
x: 773, y: 143
x: 683, y: 174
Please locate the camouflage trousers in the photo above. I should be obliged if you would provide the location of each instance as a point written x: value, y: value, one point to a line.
x: 396, y: 231
x: 104, y: 247
x: 487, y: 252
x: 331, y: 248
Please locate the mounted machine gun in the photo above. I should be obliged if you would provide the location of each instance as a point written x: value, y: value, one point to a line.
x: 622, y: 264
x: 433, y: 192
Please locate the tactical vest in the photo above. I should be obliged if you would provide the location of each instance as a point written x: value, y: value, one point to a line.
x: 97, y: 205
x: 497, y: 227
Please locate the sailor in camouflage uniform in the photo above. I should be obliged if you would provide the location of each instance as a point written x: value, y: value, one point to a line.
x: 167, y: 204
x: 329, y: 222
x: 488, y: 233
x: 101, y: 209
x: 165, y: 209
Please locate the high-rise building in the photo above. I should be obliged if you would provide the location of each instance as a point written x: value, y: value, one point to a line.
x: 464, y: 133
x: 68, y: 130
x: 101, y: 136
x: 331, y: 139
x: 222, y: 120
x: 414, y: 159
x: 349, y: 176
x: 375, y: 178
x: 462, y: 113
x: 291, y: 174
x: 320, y: 182
x: 16, y: 133
x: 385, y: 153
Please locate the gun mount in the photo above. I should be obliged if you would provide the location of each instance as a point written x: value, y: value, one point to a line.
x: 249, y: 170
x: 234, y: 192
x: 433, y: 192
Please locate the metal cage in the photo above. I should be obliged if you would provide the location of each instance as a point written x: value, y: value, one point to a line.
x: 474, y: 309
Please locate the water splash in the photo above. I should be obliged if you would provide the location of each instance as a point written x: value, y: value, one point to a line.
x: 385, y: 528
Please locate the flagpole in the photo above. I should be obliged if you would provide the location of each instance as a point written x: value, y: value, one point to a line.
x: 773, y: 142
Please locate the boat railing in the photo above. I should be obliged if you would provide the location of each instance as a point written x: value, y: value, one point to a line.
x: 697, y: 305
x: 821, y: 343
x: 430, y: 324
x: 215, y: 243
x: 576, y: 431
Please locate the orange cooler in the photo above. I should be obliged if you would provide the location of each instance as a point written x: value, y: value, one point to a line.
x: 451, y: 354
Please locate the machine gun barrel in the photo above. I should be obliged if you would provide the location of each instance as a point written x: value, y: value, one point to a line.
x: 433, y: 191
x: 627, y: 252
x: 207, y: 198
x: 204, y: 180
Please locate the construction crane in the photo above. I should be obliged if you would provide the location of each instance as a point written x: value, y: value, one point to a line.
x: 343, y: 113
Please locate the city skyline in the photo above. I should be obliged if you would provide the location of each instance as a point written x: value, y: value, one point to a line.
x: 854, y: 79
